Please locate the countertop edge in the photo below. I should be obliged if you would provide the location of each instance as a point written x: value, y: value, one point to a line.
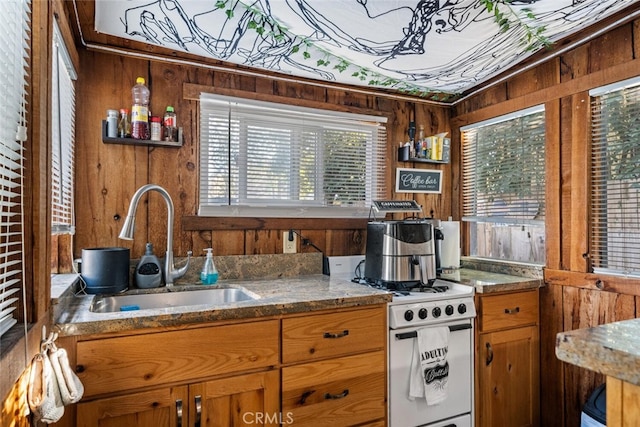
x: 598, y: 350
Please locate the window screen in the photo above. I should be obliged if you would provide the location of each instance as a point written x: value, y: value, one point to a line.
x: 260, y: 158
x: 615, y: 178
x: 14, y: 27
x: 504, y: 186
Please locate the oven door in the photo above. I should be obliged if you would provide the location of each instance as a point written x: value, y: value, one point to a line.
x: 404, y: 412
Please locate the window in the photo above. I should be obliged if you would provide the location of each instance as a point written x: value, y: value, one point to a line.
x: 266, y: 159
x: 503, y: 176
x: 62, y: 137
x: 14, y: 27
x: 615, y: 178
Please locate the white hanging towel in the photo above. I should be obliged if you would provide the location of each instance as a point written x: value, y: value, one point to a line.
x: 429, y: 378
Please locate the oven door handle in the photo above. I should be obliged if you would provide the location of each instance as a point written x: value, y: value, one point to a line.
x: 414, y: 334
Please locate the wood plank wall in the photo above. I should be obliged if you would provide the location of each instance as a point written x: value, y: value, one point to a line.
x: 107, y: 175
x: 572, y: 298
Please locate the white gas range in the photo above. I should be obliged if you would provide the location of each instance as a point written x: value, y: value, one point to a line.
x: 445, y: 304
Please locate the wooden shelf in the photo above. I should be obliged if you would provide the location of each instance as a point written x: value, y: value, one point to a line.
x: 403, y: 156
x: 421, y: 160
x: 132, y: 141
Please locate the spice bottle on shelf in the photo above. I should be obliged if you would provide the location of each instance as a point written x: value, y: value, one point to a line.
x: 170, y: 125
x: 124, y: 125
x: 156, y: 128
x: 140, y: 110
x: 112, y: 123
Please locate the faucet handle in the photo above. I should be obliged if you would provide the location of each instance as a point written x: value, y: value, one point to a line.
x: 178, y: 273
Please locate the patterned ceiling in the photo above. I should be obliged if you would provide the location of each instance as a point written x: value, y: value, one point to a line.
x: 422, y: 46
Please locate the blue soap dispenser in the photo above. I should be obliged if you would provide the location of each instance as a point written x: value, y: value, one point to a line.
x: 209, y: 274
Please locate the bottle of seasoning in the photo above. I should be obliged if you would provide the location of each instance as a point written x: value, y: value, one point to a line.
x: 156, y: 128
x: 124, y: 125
x: 170, y: 125
x: 112, y: 123
x: 140, y: 110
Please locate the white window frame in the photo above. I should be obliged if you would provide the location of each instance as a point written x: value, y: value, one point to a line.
x: 62, y: 137
x: 615, y: 194
x: 225, y: 123
x: 521, y: 216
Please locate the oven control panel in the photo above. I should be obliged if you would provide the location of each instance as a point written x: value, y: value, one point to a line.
x: 430, y: 312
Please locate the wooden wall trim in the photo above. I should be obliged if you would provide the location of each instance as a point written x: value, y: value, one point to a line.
x: 202, y: 223
x: 192, y: 92
x: 580, y: 177
x: 553, y: 194
x: 602, y: 282
x: 599, y: 78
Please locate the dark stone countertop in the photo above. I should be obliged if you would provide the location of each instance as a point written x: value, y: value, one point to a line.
x: 276, y: 297
x: 612, y: 349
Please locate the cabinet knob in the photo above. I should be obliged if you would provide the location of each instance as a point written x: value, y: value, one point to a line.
x: 305, y: 396
x: 512, y: 310
x: 489, y: 354
x: 198, y: 402
x: 345, y: 393
x: 179, y: 412
x: 338, y: 335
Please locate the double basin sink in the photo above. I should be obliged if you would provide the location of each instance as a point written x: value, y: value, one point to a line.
x: 169, y: 299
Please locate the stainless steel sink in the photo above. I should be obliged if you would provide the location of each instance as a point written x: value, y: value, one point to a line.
x: 183, y: 298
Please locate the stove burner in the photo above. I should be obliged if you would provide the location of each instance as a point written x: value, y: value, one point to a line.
x: 404, y: 288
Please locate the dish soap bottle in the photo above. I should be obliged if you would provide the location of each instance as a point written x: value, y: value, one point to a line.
x: 209, y: 274
x: 148, y: 271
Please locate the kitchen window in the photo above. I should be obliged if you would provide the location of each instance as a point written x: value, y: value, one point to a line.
x: 14, y: 30
x: 266, y: 159
x: 615, y: 178
x: 503, y: 179
x: 62, y: 137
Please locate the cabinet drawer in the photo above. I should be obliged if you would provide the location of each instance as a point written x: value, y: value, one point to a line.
x: 123, y: 363
x: 334, y: 334
x: 336, y: 392
x: 508, y: 310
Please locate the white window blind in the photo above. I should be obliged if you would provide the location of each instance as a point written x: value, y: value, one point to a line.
x: 62, y: 138
x: 615, y: 179
x: 14, y: 28
x: 266, y: 159
x: 504, y: 186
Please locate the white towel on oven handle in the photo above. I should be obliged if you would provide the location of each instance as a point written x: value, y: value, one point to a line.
x: 429, y: 377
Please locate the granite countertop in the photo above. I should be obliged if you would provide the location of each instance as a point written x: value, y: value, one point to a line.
x: 486, y: 282
x: 285, y: 283
x: 276, y: 297
x: 612, y: 349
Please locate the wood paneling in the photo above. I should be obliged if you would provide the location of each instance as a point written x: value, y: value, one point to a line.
x: 108, y: 175
x: 573, y: 297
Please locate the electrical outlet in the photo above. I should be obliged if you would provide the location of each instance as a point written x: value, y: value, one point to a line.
x: 289, y: 247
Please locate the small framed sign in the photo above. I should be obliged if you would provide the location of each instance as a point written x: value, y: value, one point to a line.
x: 418, y: 181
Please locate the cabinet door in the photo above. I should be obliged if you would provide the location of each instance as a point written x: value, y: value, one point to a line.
x: 165, y: 407
x: 508, y: 367
x: 242, y: 400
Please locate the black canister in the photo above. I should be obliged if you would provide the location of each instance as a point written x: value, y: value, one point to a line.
x: 105, y: 270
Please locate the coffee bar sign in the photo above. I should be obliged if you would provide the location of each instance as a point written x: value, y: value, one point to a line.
x: 418, y: 181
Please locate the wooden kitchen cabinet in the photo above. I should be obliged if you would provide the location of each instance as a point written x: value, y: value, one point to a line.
x: 235, y: 401
x: 323, y: 369
x: 118, y: 371
x: 507, y: 360
x: 334, y: 368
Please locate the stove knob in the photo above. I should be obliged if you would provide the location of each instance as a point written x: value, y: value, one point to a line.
x: 449, y: 310
x: 408, y: 315
x: 423, y: 313
x: 462, y: 308
x: 437, y: 312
